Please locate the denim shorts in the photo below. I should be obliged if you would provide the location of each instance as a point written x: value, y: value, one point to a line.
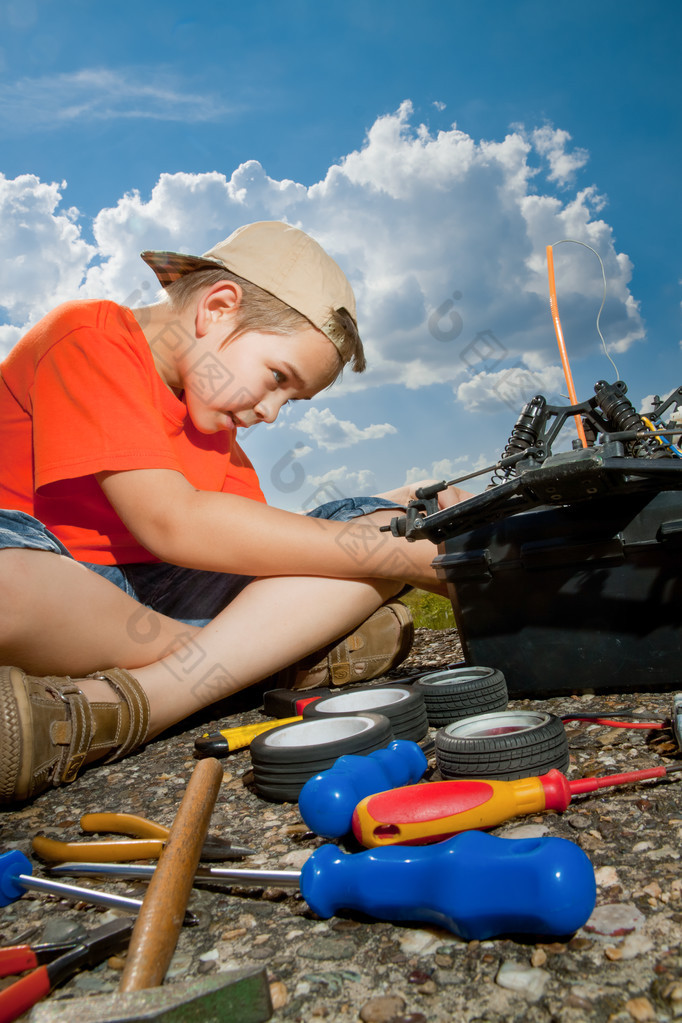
x: 190, y: 595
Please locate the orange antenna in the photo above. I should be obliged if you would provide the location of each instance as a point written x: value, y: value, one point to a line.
x: 562, y: 345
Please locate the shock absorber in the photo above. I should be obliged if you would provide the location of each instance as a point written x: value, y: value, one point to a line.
x: 621, y: 414
x: 523, y: 436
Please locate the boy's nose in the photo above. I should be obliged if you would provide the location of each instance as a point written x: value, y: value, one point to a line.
x: 267, y: 409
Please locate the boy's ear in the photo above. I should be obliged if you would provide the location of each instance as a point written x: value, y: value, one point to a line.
x: 217, y: 304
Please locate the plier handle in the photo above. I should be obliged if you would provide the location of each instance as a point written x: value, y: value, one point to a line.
x: 62, y: 961
x: 147, y: 842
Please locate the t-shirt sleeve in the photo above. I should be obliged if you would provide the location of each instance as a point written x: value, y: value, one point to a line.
x: 97, y: 407
x: 241, y: 478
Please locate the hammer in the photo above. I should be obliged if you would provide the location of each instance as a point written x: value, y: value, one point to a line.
x: 159, y: 922
x: 235, y: 994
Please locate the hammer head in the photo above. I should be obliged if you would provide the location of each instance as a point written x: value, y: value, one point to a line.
x: 242, y: 995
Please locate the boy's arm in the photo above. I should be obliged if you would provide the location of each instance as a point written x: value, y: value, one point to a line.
x: 446, y: 498
x: 228, y: 533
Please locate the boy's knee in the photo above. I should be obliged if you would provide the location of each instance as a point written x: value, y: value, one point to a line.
x: 21, y: 570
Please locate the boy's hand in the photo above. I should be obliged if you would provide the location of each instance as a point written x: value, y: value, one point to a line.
x: 446, y: 498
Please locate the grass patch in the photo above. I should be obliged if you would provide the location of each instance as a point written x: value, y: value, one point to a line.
x: 429, y: 610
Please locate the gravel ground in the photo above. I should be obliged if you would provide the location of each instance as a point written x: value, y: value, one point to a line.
x: 625, y: 964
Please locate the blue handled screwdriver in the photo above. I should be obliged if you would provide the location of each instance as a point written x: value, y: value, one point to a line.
x: 327, y: 801
x: 475, y: 884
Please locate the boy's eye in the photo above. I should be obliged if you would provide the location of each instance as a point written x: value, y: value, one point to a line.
x: 279, y: 377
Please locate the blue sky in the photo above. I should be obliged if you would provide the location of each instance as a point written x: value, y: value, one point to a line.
x: 434, y: 148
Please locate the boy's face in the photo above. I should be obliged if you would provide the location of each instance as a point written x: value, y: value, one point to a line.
x: 249, y: 379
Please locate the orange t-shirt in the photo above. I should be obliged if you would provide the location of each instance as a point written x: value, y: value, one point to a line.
x: 80, y: 394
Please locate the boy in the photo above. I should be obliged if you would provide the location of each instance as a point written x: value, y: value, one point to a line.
x: 120, y: 461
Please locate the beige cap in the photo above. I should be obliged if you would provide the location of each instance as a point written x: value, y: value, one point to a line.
x: 280, y: 259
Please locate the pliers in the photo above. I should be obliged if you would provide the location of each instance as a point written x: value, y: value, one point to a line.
x: 61, y: 961
x: 147, y: 843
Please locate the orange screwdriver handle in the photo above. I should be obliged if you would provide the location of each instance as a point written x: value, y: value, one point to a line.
x: 432, y: 812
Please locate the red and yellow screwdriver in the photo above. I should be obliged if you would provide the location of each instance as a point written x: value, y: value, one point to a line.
x: 431, y: 812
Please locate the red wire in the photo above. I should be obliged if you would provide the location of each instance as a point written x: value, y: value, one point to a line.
x: 615, y: 724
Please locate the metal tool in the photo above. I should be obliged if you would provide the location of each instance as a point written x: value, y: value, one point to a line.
x: 676, y: 719
x: 219, y: 744
x: 16, y: 877
x: 242, y: 995
x: 418, y: 814
x: 327, y: 800
x: 148, y: 843
x: 16, y: 999
x: 159, y: 922
x: 475, y: 884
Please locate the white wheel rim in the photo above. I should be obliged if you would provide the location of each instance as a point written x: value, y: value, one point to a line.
x: 317, y: 733
x: 489, y: 726
x: 444, y: 678
x: 350, y: 702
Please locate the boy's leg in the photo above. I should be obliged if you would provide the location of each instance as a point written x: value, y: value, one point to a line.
x: 269, y: 625
x: 51, y: 727
x: 59, y: 617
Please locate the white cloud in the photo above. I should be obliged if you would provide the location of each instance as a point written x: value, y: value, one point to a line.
x: 513, y: 386
x: 331, y: 433
x: 49, y: 102
x: 342, y: 482
x: 452, y: 469
x: 443, y: 468
x: 42, y: 254
x: 551, y: 143
x: 443, y: 237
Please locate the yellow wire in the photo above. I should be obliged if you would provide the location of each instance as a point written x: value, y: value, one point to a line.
x: 650, y: 426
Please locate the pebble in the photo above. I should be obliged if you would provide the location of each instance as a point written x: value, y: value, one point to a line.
x: 420, y: 942
x: 526, y: 980
x: 294, y: 860
x: 210, y: 957
x: 527, y: 831
x: 606, y: 877
x: 279, y: 995
x: 579, y: 821
x: 665, y: 853
x: 633, y: 945
x: 327, y: 948
x: 615, y: 919
x: 382, y: 1009
x: 641, y: 1009
x: 180, y: 965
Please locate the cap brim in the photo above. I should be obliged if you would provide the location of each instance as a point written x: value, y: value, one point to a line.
x: 170, y: 266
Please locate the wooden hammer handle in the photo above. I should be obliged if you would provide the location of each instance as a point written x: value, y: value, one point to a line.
x: 157, y: 928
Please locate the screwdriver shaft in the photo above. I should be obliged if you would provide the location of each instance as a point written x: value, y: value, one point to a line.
x: 281, y: 878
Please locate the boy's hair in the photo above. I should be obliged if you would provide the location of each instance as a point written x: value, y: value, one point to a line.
x: 259, y: 310
x: 288, y: 282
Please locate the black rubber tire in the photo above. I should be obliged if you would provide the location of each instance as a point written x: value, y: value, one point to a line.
x: 401, y: 704
x: 462, y: 692
x: 504, y: 745
x: 284, y: 758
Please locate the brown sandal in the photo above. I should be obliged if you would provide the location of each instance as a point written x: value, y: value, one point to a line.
x: 377, y: 645
x: 49, y: 730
